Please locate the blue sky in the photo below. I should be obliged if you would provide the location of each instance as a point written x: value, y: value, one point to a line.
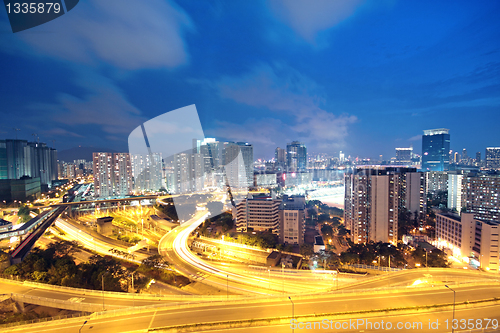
x: 364, y: 77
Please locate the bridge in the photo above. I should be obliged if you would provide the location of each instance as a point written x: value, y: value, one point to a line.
x: 41, y: 223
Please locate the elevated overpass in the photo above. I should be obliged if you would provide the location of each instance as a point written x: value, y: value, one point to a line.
x: 39, y: 226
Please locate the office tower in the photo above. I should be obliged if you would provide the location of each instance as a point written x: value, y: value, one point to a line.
x: 292, y: 219
x: 465, y: 157
x: 493, y: 158
x: 455, y: 191
x: 103, y: 174
x: 209, y: 148
x: 374, y: 197
x: 478, y: 158
x: 436, y: 181
x: 341, y: 156
x: 435, y: 150
x: 20, y: 158
x: 280, y: 157
x: 257, y: 214
x: 238, y: 162
x: 456, y: 158
x: 481, y: 197
x: 404, y: 155
x: 147, y: 171
x: 296, y: 156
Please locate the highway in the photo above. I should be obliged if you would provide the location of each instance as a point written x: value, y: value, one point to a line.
x: 174, y: 247
x: 94, y: 243
x: 327, y: 306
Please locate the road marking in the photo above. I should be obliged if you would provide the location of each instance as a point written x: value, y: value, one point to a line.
x: 151, y: 322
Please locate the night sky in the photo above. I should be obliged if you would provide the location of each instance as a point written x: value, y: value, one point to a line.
x: 364, y: 77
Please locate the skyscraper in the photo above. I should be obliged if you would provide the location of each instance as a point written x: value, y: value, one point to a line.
x: 103, y: 174
x: 112, y: 174
x: 404, y: 155
x: 493, y: 157
x: 296, y: 156
x: 147, y: 171
x: 374, y: 197
x: 20, y: 158
x: 480, y: 196
x: 435, y: 150
x: 122, y: 174
x: 280, y: 157
x: 238, y: 161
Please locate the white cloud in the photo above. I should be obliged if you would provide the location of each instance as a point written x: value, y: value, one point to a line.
x: 104, y: 105
x: 284, y: 91
x: 124, y: 33
x: 416, y: 138
x: 307, y: 18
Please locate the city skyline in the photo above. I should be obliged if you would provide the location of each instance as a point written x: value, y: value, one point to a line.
x: 345, y: 86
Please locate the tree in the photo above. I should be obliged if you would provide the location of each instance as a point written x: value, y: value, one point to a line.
x: 327, y: 230
x: 215, y: 207
x: 306, y: 250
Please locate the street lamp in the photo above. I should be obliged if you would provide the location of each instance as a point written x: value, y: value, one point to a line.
x: 454, y: 293
x: 293, y: 311
x: 80, y: 330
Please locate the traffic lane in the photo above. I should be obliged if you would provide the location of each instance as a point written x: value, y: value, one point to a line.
x: 93, y: 299
x: 416, y: 320
x: 243, y: 311
x: 410, y: 276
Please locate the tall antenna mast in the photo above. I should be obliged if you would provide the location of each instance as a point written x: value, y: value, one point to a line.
x: 17, y: 130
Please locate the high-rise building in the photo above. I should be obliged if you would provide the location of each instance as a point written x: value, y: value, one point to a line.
x: 455, y: 191
x: 436, y: 181
x: 493, y: 158
x: 374, y: 197
x: 257, y: 214
x: 465, y: 157
x: 435, y: 150
x: 478, y: 158
x: 147, y: 171
x: 238, y: 163
x: 280, y: 157
x: 209, y: 148
x: 103, y: 174
x: 188, y: 173
x: 456, y: 158
x: 404, y: 155
x: 122, y: 174
x: 481, y: 196
x: 20, y: 158
x: 341, y: 157
x: 296, y: 156
x: 292, y: 219
x: 112, y: 174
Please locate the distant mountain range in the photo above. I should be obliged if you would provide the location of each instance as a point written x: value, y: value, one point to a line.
x: 77, y: 153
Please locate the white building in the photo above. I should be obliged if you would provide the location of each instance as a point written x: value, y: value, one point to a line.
x: 455, y: 191
x: 257, y: 214
x: 292, y: 220
x: 469, y: 239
